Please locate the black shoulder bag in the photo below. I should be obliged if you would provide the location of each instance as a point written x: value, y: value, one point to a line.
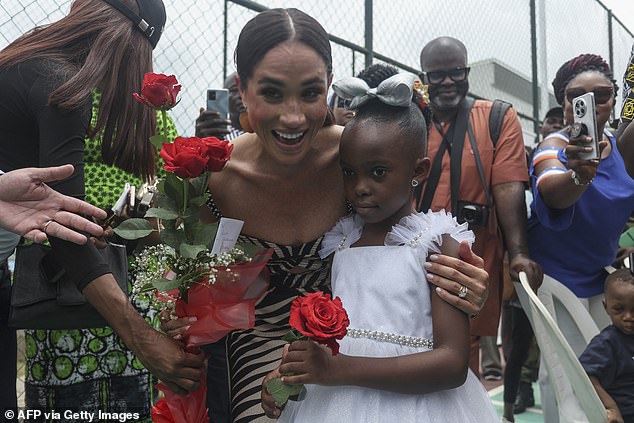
x: 44, y: 297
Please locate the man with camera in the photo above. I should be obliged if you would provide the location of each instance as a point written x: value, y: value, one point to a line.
x: 478, y: 173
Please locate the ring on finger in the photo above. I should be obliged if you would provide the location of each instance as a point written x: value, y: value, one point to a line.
x: 46, y: 225
x: 463, y: 291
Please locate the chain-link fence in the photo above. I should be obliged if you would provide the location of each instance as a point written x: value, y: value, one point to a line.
x: 515, y: 46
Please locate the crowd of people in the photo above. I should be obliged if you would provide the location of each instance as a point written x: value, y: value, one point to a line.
x: 357, y: 185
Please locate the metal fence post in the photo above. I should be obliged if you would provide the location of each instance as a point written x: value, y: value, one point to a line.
x: 536, y: 120
x: 369, y: 52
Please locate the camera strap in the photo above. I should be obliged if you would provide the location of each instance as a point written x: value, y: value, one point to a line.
x: 456, y: 133
x: 476, y: 155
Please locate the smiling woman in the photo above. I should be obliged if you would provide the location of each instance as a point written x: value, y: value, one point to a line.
x: 284, y: 181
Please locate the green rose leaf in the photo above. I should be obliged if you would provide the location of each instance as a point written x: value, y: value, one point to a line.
x: 158, y: 141
x: 201, y: 233
x: 135, y: 228
x: 250, y: 249
x: 174, y: 189
x: 172, y: 237
x: 293, y: 335
x: 199, y: 185
x: 191, y: 251
x: 281, y: 391
x: 166, y: 203
x: 198, y: 201
x: 161, y: 213
x: 163, y: 285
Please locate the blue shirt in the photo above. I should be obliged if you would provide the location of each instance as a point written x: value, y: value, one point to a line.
x: 610, y: 358
x: 574, y: 244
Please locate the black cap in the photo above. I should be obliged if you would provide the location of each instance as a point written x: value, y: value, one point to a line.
x: 150, y: 20
x: 555, y: 112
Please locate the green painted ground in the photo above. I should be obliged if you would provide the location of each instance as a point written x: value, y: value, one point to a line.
x: 531, y: 415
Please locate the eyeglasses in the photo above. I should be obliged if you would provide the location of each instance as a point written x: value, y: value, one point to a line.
x: 601, y: 94
x: 456, y: 75
x: 343, y: 103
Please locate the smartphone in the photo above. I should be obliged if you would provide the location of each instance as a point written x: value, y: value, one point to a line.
x: 119, y: 206
x: 218, y: 100
x: 583, y: 110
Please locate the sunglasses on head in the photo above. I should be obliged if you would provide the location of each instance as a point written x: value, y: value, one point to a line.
x: 456, y: 75
x: 343, y: 103
x: 601, y: 94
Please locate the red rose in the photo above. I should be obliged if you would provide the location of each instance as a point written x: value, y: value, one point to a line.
x: 191, y: 157
x: 161, y: 412
x: 219, y: 152
x: 186, y: 157
x: 320, y: 318
x: 159, y: 91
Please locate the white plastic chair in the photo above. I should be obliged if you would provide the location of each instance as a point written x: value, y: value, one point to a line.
x: 577, y: 400
x: 552, y: 291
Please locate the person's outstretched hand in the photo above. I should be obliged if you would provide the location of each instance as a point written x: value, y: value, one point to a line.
x: 167, y: 360
x: 32, y: 209
x: 449, y: 274
x: 210, y: 124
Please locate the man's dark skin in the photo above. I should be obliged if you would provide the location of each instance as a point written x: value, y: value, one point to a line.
x: 210, y: 124
x: 448, y: 53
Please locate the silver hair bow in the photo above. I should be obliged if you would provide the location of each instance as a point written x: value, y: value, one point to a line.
x: 397, y: 90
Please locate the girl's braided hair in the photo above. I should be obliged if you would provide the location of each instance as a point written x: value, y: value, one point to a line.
x: 573, y: 67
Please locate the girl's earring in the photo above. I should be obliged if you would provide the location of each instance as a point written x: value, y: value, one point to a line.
x: 415, y: 183
x: 245, y: 122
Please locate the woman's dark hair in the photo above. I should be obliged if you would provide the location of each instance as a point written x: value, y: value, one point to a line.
x: 276, y: 26
x: 573, y: 67
x: 97, y: 47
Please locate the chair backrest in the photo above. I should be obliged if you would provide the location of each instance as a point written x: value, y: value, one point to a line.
x: 552, y: 291
x: 577, y: 400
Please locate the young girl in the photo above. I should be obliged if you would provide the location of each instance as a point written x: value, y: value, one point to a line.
x: 406, y: 354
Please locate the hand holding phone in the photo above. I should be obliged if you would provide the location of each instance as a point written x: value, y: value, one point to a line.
x: 583, y: 109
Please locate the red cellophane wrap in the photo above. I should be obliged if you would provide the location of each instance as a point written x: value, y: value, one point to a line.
x: 226, y: 305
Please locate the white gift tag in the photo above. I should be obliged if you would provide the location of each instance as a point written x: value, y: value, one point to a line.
x: 227, y: 235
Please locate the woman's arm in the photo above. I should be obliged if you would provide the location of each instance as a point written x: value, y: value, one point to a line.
x: 558, y: 189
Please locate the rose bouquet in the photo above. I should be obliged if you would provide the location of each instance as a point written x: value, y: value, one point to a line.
x: 314, y: 316
x: 181, y: 274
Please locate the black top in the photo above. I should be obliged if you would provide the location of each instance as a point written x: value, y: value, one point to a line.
x: 610, y: 358
x: 35, y: 134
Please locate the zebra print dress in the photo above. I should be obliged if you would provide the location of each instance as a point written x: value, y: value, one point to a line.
x: 253, y: 353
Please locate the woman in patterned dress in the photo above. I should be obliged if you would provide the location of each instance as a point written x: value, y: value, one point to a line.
x: 47, y: 77
x: 285, y: 183
x: 91, y: 369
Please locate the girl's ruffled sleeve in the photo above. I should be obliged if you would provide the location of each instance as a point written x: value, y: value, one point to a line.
x: 346, y: 232
x: 425, y: 231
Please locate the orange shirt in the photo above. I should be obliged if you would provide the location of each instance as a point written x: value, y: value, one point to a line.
x: 506, y: 164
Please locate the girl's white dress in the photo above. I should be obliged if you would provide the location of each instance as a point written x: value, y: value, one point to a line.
x: 386, y: 294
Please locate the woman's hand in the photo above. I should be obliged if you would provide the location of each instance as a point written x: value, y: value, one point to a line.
x: 175, y: 328
x: 585, y: 169
x: 308, y: 362
x: 450, y: 275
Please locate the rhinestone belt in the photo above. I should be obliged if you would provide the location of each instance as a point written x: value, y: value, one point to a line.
x: 410, y: 341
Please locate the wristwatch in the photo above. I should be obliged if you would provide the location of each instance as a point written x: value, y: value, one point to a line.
x: 577, y: 181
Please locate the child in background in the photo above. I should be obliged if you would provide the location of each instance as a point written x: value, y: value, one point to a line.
x: 609, y: 358
x: 406, y: 354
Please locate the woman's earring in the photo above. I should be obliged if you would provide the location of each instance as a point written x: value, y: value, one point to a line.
x: 415, y: 183
x: 245, y: 122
